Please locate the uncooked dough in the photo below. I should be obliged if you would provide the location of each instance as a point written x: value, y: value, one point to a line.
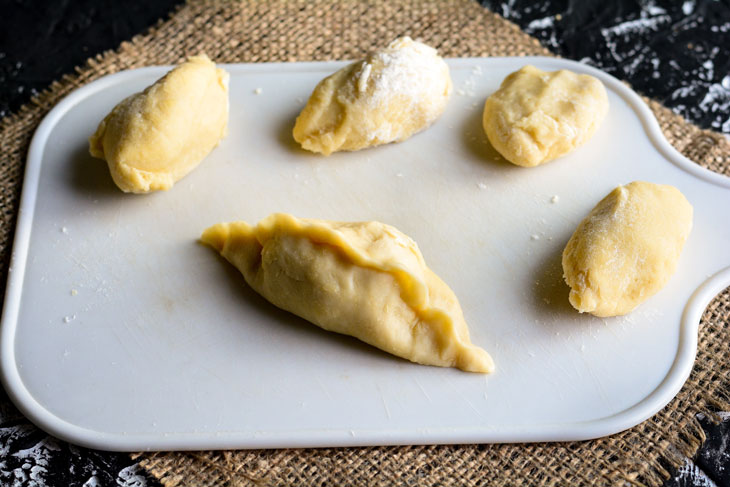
x: 627, y: 248
x: 366, y: 279
x: 537, y: 116
x: 387, y: 97
x: 152, y: 139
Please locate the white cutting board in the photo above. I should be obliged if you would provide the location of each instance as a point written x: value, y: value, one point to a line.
x: 121, y: 332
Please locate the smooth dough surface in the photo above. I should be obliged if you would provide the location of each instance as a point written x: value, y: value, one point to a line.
x: 537, y: 116
x: 152, y: 139
x: 366, y: 279
x: 387, y: 97
x: 627, y: 248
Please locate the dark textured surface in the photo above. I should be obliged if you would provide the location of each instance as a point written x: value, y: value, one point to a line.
x: 39, y: 42
x: 42, y: 40
x: 677, y: 52
x: 666, y: 50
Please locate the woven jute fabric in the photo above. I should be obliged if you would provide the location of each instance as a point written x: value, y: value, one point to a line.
x: 270, y: 30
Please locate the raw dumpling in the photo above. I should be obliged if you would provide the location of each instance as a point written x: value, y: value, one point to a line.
x: 387, y: 97
x: 537, y: 116
x: 152, y: 139
x: 627, y: 248
x: 367, y: 280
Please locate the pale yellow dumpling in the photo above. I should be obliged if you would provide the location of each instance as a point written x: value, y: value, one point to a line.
x: 627, y: 248
x: 366, y: 279
x: 152, y: 139
x: 387, y: 97
x: 537, y: 116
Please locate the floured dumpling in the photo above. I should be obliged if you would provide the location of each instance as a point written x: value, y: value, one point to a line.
x: 152, y: 139
x: 387, y: 97
x: 627, y: 248
x: 537, y: 116
x: 367, y: 280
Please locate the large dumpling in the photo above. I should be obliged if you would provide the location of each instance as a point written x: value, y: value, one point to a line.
x: 367, y: 280
x: 152, y: 139
x: 386, y: 97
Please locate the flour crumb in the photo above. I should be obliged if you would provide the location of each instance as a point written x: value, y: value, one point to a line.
x: 64, y: 230
x: 258, y: 91
x: 69, y: 319
x: 535, y: 236
x: 482, y: 185
x: 74, y: 292
x: 554, y: 199
x: 399, y: 175
x: 362, y: 82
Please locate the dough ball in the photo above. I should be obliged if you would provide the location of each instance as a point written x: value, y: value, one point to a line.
x: 537, y: 116
x: 364, y: 279
x: 387, y: 97
x: 627, y: 248
x: 152, y: 139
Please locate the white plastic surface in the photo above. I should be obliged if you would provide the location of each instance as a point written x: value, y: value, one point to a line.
x: 121, y: 332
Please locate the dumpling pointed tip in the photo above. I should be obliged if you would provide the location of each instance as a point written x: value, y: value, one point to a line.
x: 475, y: 359
x: 216, y: 236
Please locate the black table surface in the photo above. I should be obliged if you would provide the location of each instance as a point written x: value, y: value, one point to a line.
x: 677, y: 52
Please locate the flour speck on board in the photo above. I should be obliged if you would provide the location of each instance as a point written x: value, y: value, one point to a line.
x: 470, y: 84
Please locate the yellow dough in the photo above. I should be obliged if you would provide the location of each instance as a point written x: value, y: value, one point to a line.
x: 367, y: 280
x: 152, y: 139
x: 627, y: 248
x: 387, y: 97
x: 536, y: 116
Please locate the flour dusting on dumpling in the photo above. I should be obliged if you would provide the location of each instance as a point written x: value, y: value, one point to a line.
x: 386, y: 97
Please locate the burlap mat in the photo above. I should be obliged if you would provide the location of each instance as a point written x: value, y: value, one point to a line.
x: 322, y: 30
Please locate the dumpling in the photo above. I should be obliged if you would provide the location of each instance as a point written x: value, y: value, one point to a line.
x: 387, y: 97
x: 366, y: 279
x: 537, y: 116
x: 627, y: 248
x: 152, y: 139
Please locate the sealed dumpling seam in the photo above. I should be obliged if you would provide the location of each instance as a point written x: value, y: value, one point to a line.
x: 367, y: 280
